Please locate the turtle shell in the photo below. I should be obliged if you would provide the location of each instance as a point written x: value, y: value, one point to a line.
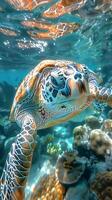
x: 70, y: 168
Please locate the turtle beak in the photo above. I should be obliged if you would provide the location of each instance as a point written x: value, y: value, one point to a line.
x: 81, y: 86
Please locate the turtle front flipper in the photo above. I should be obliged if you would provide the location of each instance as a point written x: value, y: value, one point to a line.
x: 19, y: 160
x: 104, y: 95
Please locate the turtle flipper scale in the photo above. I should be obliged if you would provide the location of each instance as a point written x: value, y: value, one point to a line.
x: 19, y: 160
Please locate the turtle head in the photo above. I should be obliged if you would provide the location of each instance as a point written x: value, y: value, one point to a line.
x: 64, y: 82
x: 64, y: 89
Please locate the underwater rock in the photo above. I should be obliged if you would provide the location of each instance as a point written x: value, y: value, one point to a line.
x: 48, y: 188
x: 100, y: 142
x: 96, y: 168
x: 83, y: 150
x: 93, y: 122
x: 102, y: 185
x: 100, y: 167
x: 70, y: 168
x: 78, y: 192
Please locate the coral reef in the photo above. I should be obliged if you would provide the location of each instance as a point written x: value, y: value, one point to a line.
x: 102, y: 185
x: 100, y: 142
x: 54, y: 149
x: 70, y: 168
x: 49, y: 138
x: 107, y: 126
x: 48, y: 188
x: 84, y: 173
x: 92, y: 122
x: 80, y: 135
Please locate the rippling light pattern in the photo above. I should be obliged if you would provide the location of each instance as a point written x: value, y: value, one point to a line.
x: 62, y: 7
x: 27, y: 44
x: 104, y: 5
x: 26, y: 4
x: 25, y: 41
x: 94, y: 8
x: 53, y: 30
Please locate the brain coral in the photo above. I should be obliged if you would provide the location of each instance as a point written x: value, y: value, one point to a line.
x: 100, y: 142
x: 102, y: 185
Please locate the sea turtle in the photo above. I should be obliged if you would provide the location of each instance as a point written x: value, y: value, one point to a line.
x: 53, y: 92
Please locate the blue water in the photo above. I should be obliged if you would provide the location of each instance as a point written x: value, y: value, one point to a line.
x: 91, y: 45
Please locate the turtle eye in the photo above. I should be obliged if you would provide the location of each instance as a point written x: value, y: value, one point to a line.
x: 58, y: 81
x: 78, y: 76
